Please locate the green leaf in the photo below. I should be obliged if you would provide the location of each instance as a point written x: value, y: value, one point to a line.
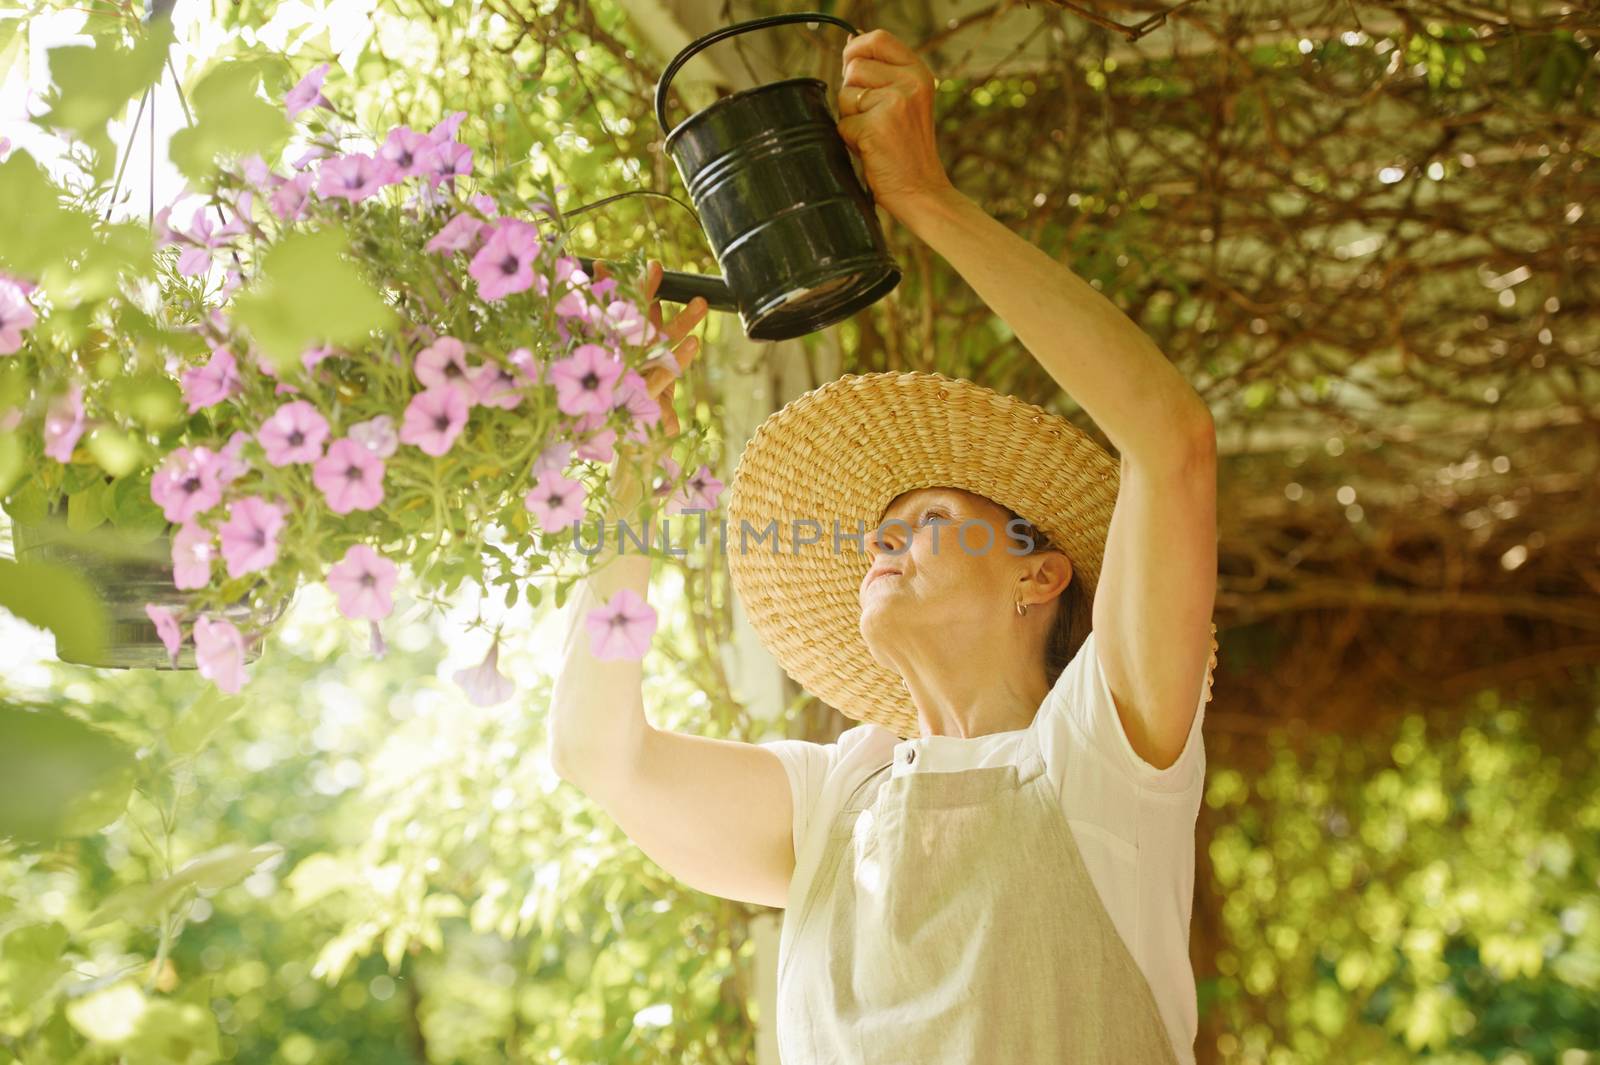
x: 133, y: 512
x: 64, y: 777
x: 93, y: 84
x: 115, y: 451
x: 84, y: 511
x: 231, y: 119
x: 214, y: 870
x: 152, y: 400
x: 36, y: 232
x: 199, y: 722
x: 31, y: 962
x: 54, y: 597
x: 309, y: 293
x: 12, y: 466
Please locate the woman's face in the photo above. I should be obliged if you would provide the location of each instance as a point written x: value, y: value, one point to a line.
x: 952, y: 582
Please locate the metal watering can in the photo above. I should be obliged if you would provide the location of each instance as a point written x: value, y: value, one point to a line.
x: 792, y: 227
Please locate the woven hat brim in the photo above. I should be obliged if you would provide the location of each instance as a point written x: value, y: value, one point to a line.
x: 839, y: 454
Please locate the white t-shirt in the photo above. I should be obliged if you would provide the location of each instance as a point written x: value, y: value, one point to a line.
x: 1134, y: 824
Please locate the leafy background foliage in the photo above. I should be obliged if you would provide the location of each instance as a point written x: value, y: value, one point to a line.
x: 1398, y: 856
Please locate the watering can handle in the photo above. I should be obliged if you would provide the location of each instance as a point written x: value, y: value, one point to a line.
x: 728, y: 31
x: 682, y: 288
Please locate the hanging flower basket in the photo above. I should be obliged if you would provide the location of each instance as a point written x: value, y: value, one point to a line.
x: 334, y: 364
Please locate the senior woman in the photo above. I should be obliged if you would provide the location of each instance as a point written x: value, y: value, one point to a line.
x: 997, y: 864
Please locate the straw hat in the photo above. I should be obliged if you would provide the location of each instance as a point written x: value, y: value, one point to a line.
x: 840, y: 453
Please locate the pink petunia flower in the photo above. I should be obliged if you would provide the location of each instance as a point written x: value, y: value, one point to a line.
x: 294, y: 433
x: 443, y: 364
x: 219, y: 652
x: 63, y: 424
x: 633, y: 392
x: 553, y: 457
x: 626, y: 321
x: 192, y: 554
x: 405, y: 154
x: 698, y: 493
x: 622, y: 627
x: 250, y: 535
x: 208, y: 385
x: 448, y: 160
x: 495, y: 386
x: 584, y: 379
x: 288, y: 201
x: 505, y: 262
x: 258, y: 173
x: 670, y: 470
x: 307, y: 92
x: 352, y: 177
x: 597, y: 446
x: 230, y: 460
x: 484, y: 684
x: 433, y: 420
x: 166, y: 628
x: 187, y: 483
x: 350, y: 477
x: 363, y: 580
x: 446, y: 130
x: 461, y: 233
x: 555, y: 501
x: 377, y: 435
x: 16, y: 316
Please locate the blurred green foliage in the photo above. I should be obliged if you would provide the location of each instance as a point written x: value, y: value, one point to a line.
x: 1425, y: 894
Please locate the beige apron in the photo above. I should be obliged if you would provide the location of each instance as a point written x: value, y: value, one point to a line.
x: 951, y: 920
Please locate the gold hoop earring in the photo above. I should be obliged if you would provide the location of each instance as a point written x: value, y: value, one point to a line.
x: 1022, y: 609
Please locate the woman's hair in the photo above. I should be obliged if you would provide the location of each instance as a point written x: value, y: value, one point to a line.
x: 1074, y: 614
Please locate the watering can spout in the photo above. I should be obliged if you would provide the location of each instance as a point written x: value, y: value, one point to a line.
x: 679, y: 287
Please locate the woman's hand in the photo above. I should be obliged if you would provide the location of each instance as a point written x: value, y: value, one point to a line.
x: 887, y: 102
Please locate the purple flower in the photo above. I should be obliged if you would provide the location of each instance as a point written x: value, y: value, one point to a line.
x: 363, y: 580
x: 583, y: 380
x: 250, y: 535
x: 192, y: 555
x: 208, y: 385
x: 505, y: 262
x: 377, y: 435
x: 555, y: 502
x: 484, y: 684
x: 16, y: 315
x: 443, y: 364
x: 350, y: 477
x: 597, y: 446
x: 554, y: 457
x: 307, y: 92
x: 447, y: 161
x: 166, y: 628
x: 633, y: 392
x: 63, y: 424
x: 258, y: 173
x: 405, y: 153
x: 434, y: 419
x: 219, y: 652
x: 446, y: 130
x: 353, y: 177
x: 187, y: 483
x: 294, y: 433
x: 495, y: 386
x: 288, y: 200
x: 622, y: 627
x: 459, y: 234
x: 699, y: 493
x: 629, y: 323
x: 230, y: 460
